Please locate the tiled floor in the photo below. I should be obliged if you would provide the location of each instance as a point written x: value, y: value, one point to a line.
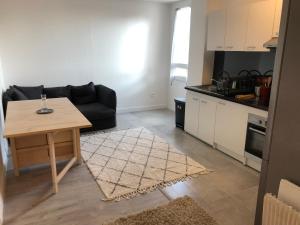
x: 229, y: 194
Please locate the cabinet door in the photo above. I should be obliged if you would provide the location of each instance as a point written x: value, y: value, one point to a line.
x: 192, y: 113
x: 260, y: 25
x: 277, y: 18
x: 216, y: 31
x: 207, y: 118
x: 236, y: 27
x: 231, y: 126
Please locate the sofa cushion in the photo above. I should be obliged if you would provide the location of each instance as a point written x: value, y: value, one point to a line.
x: 58, y: 92
x: 31, y: 92
x: 96, y: 111
x: 83, y: 94
x: 16, y: 95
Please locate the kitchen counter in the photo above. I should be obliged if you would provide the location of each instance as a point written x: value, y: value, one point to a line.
x: 211, y: 90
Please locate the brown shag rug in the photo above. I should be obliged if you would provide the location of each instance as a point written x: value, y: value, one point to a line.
x: 182, y: 211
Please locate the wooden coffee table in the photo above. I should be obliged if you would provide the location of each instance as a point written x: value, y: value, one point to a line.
x: 39, y: 139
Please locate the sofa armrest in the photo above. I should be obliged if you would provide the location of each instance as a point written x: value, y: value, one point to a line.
x: 106, y: 96
x: 5, y: 99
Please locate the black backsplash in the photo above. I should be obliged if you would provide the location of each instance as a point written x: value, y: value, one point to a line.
x: 234, y: 62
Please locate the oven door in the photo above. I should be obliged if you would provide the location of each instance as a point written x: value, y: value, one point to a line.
x: 256, y: 138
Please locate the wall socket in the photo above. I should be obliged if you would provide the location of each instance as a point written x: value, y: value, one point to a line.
x: 153, y: 95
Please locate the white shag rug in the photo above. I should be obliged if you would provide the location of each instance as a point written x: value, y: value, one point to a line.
x: 135, y: 161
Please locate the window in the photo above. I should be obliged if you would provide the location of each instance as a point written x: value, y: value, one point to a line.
x: 181, y: 44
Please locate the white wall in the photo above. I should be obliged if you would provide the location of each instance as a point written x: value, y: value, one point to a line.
x: 3, y: 147
x: 3, y: 142
x: 200, y: 61
x: 124, y: 44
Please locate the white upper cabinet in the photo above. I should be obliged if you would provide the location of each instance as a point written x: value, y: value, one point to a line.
x: 236, y: 27
x: 216, y: 31
x: 243, y: 26
x: 277, y: 18
x: 260, y: 25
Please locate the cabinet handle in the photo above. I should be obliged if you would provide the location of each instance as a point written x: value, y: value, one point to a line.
x: 219, y: 47
x: 229, y: 47
x: 222, y: 103
x: 204, y: 102
x: 251, y: 47
x: 195, y: 99
x: 257, y: 131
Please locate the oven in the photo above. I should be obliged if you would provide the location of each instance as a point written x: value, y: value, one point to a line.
x: 256, y: 136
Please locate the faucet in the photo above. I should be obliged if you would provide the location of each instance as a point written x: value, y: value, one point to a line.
x: 214, y: 80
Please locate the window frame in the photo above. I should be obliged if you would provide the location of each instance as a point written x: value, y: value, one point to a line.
x: 179, y: 65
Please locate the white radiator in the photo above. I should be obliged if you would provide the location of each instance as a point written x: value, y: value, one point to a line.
x: 289, y: 193
x: 275, y: 212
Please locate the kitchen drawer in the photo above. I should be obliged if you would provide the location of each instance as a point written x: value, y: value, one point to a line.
x: 40, y: 155
x: 64, y: 151
x: 41, y: 139
x: 33, y: 156
x: 31, y: 141
x: 63, y: 136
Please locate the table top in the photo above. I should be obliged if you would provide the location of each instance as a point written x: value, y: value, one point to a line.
x: 22, y: 119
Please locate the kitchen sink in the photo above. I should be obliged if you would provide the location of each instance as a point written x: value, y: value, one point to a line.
x: 208, y: 89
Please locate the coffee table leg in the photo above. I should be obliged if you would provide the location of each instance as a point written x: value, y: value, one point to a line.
x: 53, y: 162
x: 14, y: 156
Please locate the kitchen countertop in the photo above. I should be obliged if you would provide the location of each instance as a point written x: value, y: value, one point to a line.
x: 211, y: 90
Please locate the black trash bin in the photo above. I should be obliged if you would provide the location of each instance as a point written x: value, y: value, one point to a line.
x: 180, y: 112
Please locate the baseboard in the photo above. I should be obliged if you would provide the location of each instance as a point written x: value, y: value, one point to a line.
x: 171, y: 109
x: 140, y: 108
x: 230, y: 153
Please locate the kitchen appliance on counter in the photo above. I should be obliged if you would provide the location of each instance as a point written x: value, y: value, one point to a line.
x: 263, y: 87
x: 229, y: 85
x: 255, y: 141
x: 247, y: 83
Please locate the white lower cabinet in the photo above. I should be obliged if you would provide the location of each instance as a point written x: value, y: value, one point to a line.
x: 207, y: 115
x: 200, y: 117
x: 220, y: 123
x: 192, y: 113
x: 231, y: 128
